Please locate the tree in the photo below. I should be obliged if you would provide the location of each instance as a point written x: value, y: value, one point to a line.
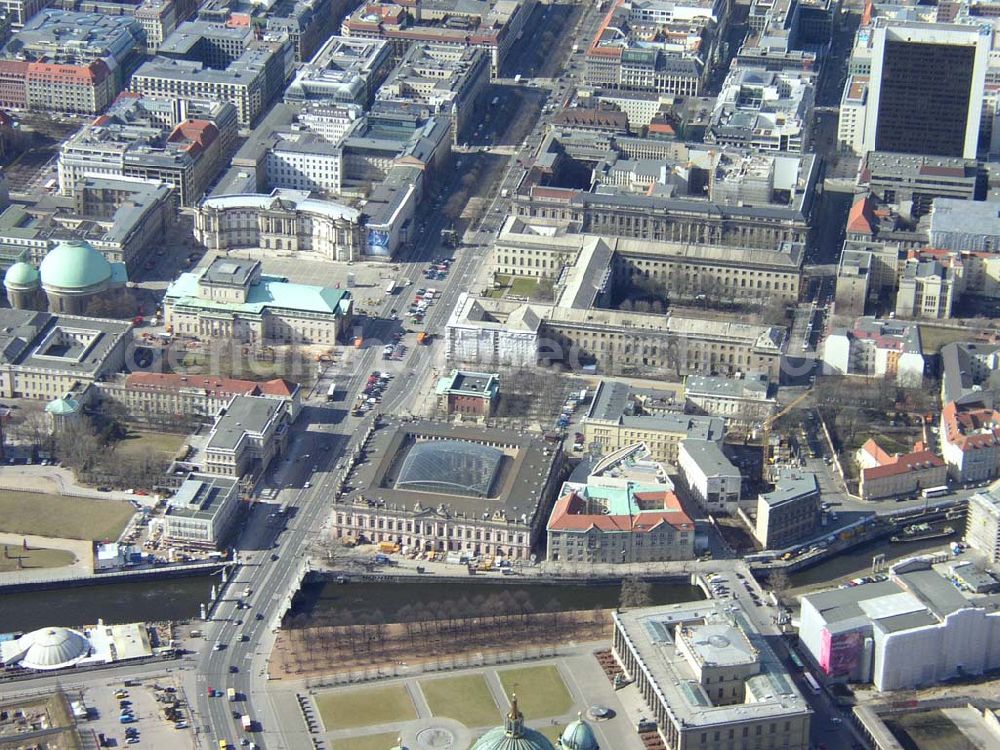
x: 635, y: 593
x: 779, y: 583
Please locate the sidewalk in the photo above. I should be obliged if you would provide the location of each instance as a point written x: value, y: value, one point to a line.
x: 82, y: 566
x: 53, y: 480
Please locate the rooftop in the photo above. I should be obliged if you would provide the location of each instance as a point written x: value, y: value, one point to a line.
x: 790, y: 487
x: 43, y: 341
x: 201, y: 496
x: 464, y: 383
x: 717, y: 629
x: 245, y: 415
x: 515, y: 491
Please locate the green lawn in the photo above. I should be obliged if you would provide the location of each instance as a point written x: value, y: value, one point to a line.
x: 382, y: 741
x: 34, y: 558
x: 62, y: 516
x: 932, y: 339
x: 465, y: 698
x: 541, y: 692
x: 363, y: 707
x: 523, y: 286
x: 138, y: 443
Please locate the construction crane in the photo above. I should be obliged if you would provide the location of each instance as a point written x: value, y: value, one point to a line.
x: 766, y: 427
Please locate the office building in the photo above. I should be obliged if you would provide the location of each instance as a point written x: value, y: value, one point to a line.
x: 709, y: 677
x: 121, y: 218
x: 467, y: 393
x: 900, y: 475
x: 930, y: 284
x: 233, y: 299
x: 443, y: 79
x: 916, y: 629
x: 46, y: 356
x: 156, y: 398
x: 896, y: 178
x: 202, y: 60
x: 688, y: 271
x: 742, y: 402
x: 763, y: 110
x: 480, y: 492
x: 982, y: 525
x: 484, y: 331
x: 624, y: 511
x: 62, y: 61
x: 203, y: 511
x: 620, y: 416
x: 876, y: 348
x: 964, y: 226
x: 491, y: 26
x: 925, y: 93
x: 343, y: 71
x: 247, y: 435
x: 286, y: 220
x: 182, y: 143
x: 710, y: 476
x: 853, y: 114
x: 788, y: 513
x: 306, y: 23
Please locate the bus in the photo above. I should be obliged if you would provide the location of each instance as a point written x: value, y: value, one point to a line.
x: 796, y: 660
x: 811, y: 682
x: 331, y: 391
x: 390, y: 287
x: 934, y: 492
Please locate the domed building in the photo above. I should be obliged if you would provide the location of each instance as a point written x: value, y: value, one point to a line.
x: 22, y: 285
x: 73, y: 273
x: 71, y: 276
x: 513, y: 735
x: 60, y: 411
x: 45, y: 649
x: 578, y: 736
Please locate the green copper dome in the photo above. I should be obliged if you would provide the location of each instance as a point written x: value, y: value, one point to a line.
x: 21, y: 275
x: 513, y: 735
x: 74, y: 265
x: 62, y: 407
x: 578, y: 736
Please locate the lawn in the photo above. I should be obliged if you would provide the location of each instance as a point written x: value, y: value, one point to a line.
x: 465, y: 698
x: 34, y: 558
x: 381, y: 741
x: 523, y: 286
x: 540, y: 691
x: 139, y: 443
x: 932, y: 339
x: 363, y: 707
x: 62, y: 516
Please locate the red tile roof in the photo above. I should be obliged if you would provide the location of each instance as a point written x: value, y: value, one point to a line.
x: 568, y: 515
x: 861, y: 219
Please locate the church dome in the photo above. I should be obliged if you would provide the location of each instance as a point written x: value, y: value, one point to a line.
x: 74, y: 265
x: 579, y: 736
x: 513, y: 735
x: 21, y: 275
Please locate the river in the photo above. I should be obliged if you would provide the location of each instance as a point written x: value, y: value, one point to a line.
x: 179, y: 598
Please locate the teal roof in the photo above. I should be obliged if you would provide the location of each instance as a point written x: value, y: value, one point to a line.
x: 21, y: 274
x: 500, y: 739
x: 579, y: 736
x: 621, y: 501
x: 62, y: 406
x: 272, y: 291
x: 74, y: 265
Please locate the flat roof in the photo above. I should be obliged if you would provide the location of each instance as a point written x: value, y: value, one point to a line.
x: 27, y: 339
x: 244, y: 415
x: 518, y: 494
x: 708, y: 455
x: 201, y: 496
x: 649, y: 632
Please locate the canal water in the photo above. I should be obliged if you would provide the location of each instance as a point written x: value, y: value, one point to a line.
x: 179, y: 598
x: 859, y: 562
x: 134, y: 601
